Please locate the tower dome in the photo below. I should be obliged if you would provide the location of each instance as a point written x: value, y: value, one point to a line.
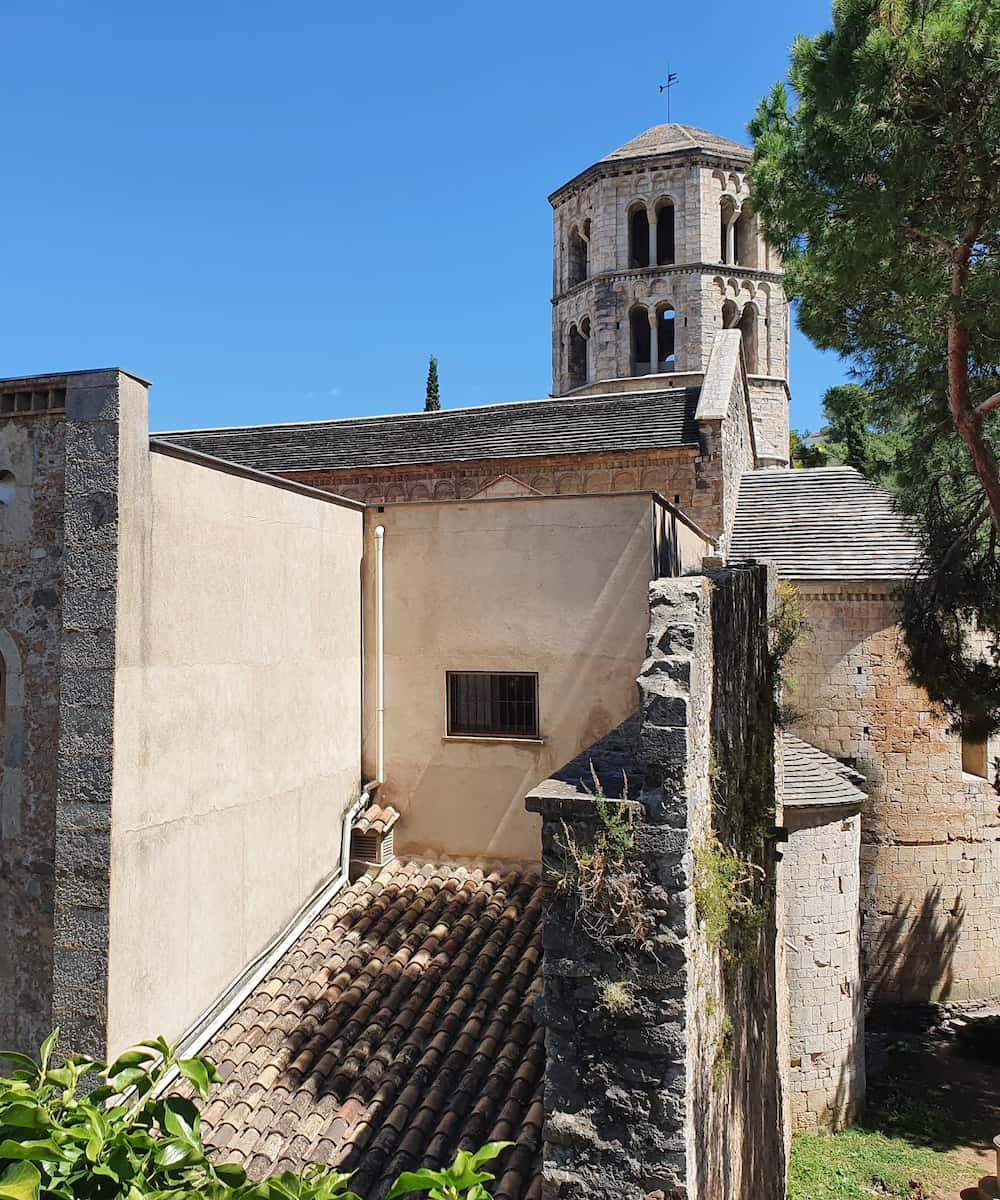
x: 657, y: 248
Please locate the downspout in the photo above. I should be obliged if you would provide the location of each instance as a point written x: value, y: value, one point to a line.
x: 379, y: 654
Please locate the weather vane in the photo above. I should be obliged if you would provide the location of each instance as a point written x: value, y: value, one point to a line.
x: 665, y: 87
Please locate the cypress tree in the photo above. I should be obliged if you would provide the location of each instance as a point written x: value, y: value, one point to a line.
x: 432, y: 403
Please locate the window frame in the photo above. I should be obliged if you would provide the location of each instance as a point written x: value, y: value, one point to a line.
x: 496, y: 734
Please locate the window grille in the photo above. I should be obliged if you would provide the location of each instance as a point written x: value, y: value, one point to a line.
x: 482, y: 704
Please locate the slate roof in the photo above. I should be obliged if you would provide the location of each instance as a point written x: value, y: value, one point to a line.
x: 816, y: 780
x: 644, y: 420
x: 822, y: 523
x: 400, y: 1028
x: 677, y: 139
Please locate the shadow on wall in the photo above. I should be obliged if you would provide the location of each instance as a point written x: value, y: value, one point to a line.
x: 911, y: 956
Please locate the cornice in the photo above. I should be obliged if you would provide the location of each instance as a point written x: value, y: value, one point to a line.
x: 614, y: 168
x: 698, y: 268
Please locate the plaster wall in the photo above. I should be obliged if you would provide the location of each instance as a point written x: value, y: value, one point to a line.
x: 31, y: 536
x: 237, y: 728
x: 930, y: 849
x: 553, y: 585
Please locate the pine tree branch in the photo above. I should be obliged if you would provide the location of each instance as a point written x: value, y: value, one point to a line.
x: 987, y: 406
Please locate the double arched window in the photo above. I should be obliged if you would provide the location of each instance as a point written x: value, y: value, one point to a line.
x: 652, y: 343
x: 651, y: 241
x: 578, y: 254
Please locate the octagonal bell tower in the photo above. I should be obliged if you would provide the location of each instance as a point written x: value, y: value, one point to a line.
x: 656, y: 248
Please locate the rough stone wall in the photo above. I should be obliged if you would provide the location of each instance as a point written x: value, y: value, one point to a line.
x: 826, y: 994
x: 31, y: 535
x: 680, y: 1093
x: 687, y: 477
x: 737, y: 1045
x: 96, y: 441
x: 930, y: 835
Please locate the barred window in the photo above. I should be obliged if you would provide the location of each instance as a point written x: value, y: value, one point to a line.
x: 482, y: 704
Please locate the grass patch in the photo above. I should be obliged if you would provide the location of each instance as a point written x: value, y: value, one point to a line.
x: 918, y: 1114
x: 858, y: 1164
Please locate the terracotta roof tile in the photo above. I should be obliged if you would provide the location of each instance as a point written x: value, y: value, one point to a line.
x: 400, y: 1028
x: 376, y: 818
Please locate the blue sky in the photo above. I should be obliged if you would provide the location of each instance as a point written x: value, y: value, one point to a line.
x: 276, y: 212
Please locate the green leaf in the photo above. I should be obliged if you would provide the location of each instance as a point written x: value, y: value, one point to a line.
x: 231, y: 1174
x: 199, y: 1072
x: 21, y: 1181
x: 47, y: 1047
x: 22, y: 1116
x: 488, y: 1152
x: 414, y: 1181
x: 132, y: 1058
x: 40, y: 1150
x: 172, y: 1153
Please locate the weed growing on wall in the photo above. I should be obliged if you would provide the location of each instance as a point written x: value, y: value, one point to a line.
x: 725, y: 885
x: 124, y: 1140
x: 722, y: 1063
x: 617, y: 998
x: 787, y: 625
x: 594, y: 874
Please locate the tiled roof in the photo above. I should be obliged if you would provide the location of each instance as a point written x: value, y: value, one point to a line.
x: 815, y: 780
x: 643, y: 420
x: 399, y: 1029
x: 376, y: 818
x: 822, y: 523
x: 677, y: 139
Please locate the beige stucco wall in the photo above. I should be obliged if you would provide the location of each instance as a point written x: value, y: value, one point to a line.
x: 556, y: 585
x: 237, y: 727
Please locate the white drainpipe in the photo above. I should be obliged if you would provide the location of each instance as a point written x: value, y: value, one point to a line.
x: 379, y: 655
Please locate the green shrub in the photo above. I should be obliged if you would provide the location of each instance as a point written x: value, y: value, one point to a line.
x: 63, y: 1139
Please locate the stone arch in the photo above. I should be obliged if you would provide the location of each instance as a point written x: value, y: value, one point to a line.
x: 577, y: 353
x: 666, y: 337
x: 727, y: 222
x: 596, y: 481
x: 624, y: 481
x: 8, y: 489
x: 568, y: 484
x: 638, y: 234
x: 640, y: 340
x: 750, y: 332
x: 577, y: 256
x: 444, y: 489
x: 745, y: 239
x: 730, y: 314
x: 665, y: 211
x: 373, y: 495
x: 420, y: 491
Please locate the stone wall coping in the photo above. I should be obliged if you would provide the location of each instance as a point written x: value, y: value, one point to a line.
x: 556, y: 798
x: 103, y: 374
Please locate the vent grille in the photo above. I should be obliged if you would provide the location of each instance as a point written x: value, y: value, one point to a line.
x: 25, y: 402
x: 374, y: 848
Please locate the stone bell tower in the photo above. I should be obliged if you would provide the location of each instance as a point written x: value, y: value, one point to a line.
x: 656, y: 248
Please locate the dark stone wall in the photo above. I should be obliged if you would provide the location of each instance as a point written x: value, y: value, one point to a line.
x: 672, y: 1087
x: 31, y: 544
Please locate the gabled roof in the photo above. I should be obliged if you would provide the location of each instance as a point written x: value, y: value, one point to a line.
x: 677, y: 139
x: 641, y: 420
x: 399, y: 1029
x: 823, y: 523
x: 816, y: 780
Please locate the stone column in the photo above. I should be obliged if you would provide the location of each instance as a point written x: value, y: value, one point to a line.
x: 654, y: 342
x: 652, y: 240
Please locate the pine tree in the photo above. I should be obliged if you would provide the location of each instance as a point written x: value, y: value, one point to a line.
x: 433, y: 401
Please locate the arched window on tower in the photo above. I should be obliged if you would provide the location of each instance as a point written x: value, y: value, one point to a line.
x: 666, y: 321
x: 640, y: 338
x: 745, y: 237
x: 748, y: 330
x: 730, y: 314
x: 638, y: 236
x: 665, y: 233
x: 727, y: 220
x: 578, y: 253
x: 577, y: 352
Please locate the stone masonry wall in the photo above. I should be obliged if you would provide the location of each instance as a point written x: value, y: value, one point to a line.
x: 31, y: 539
x: 690, y: 478
x: 930, y: 835
x: 826, y: 994
x: 94, y: 441
x: 663, y: 1072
